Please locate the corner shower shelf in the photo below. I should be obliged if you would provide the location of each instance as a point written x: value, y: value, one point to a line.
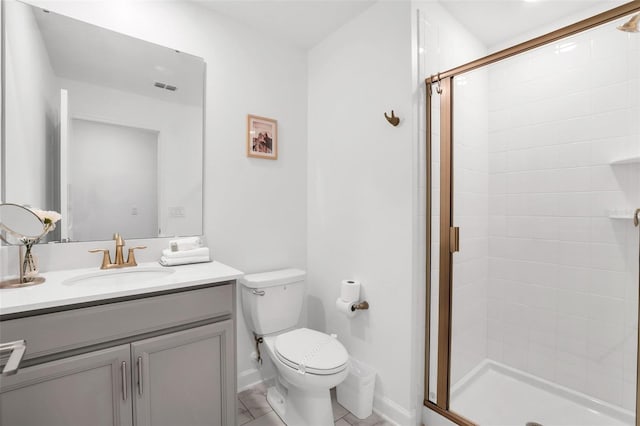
x: 621, y: 216
x: 627, y: 160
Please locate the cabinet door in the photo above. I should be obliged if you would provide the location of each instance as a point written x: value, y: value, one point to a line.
x: 186, y: 378
x: 86, y: 389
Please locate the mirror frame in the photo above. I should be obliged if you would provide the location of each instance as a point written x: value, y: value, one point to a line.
x: 16, y: 234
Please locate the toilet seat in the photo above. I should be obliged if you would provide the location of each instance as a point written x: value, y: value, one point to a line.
x: 311, y: 352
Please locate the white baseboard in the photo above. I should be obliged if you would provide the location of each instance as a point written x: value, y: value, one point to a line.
x: 261, y: 372
x: 251, y: 377
x: 392, y: 412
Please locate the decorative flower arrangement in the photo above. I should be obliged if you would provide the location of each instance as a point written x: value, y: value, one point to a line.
x: 49, y: 219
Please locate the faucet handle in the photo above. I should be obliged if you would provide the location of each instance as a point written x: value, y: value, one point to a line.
x: 106, y: 257
x: 118, y: 238
x: 131, y: 258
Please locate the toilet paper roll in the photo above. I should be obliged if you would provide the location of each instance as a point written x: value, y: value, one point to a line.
x: 350, y: 290
x: 345, y: 308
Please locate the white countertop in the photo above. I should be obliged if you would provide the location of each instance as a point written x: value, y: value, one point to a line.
x: 55, y: 292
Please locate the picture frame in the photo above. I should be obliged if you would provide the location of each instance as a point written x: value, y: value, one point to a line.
x: 262, y: 137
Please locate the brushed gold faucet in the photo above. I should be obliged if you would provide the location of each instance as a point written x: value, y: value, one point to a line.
x: 119, y: 261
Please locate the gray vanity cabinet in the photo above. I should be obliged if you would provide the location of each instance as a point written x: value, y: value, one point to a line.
x: 81, y: 390
x: 190, y: 366
x: 166, y: 359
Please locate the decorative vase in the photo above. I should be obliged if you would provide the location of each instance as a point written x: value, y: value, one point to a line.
x: 29, y: 265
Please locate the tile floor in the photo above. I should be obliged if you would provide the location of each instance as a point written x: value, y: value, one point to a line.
x: 254, y: 410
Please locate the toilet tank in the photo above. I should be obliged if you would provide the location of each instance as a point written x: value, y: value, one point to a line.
x: 272, y: 301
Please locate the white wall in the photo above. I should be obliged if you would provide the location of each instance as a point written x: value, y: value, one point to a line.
x: 585, y: 13
x: 113, y: 176
x: 179, y: 162
x: 33, y: 123
x: 246, y: 74
x: 361, y: 195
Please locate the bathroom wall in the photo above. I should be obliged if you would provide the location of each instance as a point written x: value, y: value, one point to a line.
x: 179, y: 160
x: 361, y: 190
x: 367, y: 192
x: 585, y: 12
x: 34, y: 92
x: 563, y: 270
x: 126, y: 167
x: 255, y: 210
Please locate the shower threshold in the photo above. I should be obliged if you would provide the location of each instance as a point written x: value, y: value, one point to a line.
x: 497, y: 395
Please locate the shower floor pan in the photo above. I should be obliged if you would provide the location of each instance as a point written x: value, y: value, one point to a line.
x: 493, y: 394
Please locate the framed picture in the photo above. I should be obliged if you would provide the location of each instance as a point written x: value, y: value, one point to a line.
x: 262, y: 137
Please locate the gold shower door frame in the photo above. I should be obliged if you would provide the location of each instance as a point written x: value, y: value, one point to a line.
x: 443, y: 83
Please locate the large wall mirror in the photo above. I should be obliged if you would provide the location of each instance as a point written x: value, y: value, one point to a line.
x: 101, y: 127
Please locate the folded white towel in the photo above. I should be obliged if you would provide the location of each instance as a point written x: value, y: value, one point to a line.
x: 183, y: 260
x: 188, y: 243
x: 202, y: 251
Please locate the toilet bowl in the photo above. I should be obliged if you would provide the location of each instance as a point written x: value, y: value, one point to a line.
x: 308, y: 362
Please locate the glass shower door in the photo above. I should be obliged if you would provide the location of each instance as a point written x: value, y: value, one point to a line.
x: 545, y: 179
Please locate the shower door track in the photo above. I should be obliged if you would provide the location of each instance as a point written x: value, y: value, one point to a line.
x: 442, y: 84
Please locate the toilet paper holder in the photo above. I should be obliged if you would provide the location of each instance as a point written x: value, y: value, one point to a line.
x: 360, y: 306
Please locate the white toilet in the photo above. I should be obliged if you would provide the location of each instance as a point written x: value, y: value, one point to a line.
x: 308, y: 362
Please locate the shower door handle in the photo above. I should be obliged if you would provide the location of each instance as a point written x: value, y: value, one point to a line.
x: 454, y: 239
x: 636, y: 217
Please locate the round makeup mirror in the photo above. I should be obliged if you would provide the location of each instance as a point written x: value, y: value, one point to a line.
x: 20, y: 226
x: 20, y: 222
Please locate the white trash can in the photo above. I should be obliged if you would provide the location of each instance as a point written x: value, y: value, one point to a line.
x: 356, y: 392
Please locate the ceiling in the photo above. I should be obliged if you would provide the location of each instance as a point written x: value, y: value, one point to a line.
x: 497, y: 22
x: 91, y: 54
x: 304, y: 23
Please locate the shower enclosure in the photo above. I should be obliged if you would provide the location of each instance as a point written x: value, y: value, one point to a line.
x: 533, y: 177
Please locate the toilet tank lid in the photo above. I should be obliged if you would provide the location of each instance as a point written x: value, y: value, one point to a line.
x: 273, y: 278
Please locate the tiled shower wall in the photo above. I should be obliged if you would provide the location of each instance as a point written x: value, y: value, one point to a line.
x: 562, y: 290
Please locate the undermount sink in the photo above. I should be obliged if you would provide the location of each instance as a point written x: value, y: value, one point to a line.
x: 120, y: 277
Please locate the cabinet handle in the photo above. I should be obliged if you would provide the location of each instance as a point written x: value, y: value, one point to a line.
x: 258, y: 292
x: 123, y: 371
x: 17, y: 349
x: 139, y: 375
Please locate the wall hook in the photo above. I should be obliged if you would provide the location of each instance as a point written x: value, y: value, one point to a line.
x: 393, y: 120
